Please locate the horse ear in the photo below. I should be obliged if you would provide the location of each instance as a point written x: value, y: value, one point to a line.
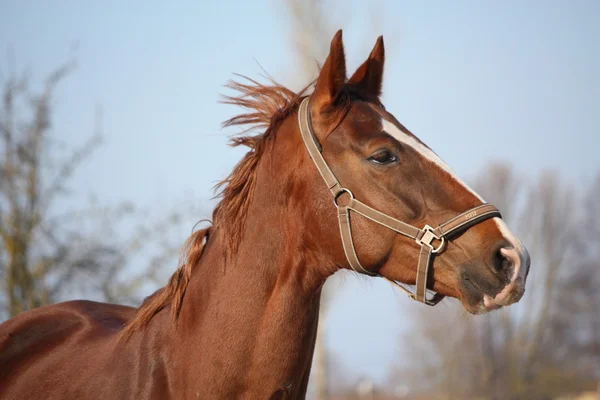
x: 369, y: 76
x: 332, y: 76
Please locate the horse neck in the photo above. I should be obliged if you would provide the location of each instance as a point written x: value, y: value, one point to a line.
x: 260, y: 304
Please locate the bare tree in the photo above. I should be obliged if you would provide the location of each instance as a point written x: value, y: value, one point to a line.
x: 545, y: 346
x: 48, y: 253
x: 575, y: 319
x: 311, y: 29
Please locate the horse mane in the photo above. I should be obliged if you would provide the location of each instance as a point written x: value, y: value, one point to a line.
x: 267, y: 106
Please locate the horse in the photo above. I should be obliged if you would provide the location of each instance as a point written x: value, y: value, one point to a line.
x: 332, y: 181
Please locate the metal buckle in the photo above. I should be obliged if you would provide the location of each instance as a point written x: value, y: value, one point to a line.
x: 337, y: 196
x: 428, y: 237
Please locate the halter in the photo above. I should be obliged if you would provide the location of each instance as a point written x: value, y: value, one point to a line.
x: 424, y: 237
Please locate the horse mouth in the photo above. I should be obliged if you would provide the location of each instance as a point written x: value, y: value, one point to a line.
x: 478, y: 301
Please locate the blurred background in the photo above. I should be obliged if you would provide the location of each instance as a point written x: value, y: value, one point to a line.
x: 111, y: 144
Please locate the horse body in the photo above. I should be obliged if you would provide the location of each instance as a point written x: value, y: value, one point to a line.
x: 238, y: 318
x: 255, y: 341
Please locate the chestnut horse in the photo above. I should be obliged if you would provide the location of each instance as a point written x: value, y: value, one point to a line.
x: 238, y: 318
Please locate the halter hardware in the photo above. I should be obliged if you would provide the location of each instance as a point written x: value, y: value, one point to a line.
x: 423, y: 237
x: 427, y: 239
x: 341, y: 192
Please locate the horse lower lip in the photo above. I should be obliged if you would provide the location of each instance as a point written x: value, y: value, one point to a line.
x: 489, y: 303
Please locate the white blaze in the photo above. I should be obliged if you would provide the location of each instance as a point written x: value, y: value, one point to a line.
x: 426, y: 152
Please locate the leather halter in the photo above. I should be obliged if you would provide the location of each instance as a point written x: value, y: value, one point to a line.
x: 424, y: 237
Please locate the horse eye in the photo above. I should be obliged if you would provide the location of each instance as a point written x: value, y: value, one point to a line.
x: 383, y: 157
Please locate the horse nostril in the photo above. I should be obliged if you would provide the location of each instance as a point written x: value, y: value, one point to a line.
x: 502, y: 265
x: 498, y: 261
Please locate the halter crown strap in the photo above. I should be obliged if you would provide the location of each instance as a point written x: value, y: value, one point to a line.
x: 425, y: 237
x: 314, y: 149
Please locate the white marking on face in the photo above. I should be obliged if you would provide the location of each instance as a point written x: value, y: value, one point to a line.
x: 425, y: 151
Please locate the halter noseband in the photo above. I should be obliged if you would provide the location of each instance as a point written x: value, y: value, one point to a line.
x: 424, y: 237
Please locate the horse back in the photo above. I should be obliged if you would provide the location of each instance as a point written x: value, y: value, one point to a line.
x: 42, y: 349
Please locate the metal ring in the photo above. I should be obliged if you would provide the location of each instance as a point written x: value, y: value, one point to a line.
x: 441, y: 246
x: 337, y: 196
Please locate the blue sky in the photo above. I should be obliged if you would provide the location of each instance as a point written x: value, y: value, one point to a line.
x: 478, y: 81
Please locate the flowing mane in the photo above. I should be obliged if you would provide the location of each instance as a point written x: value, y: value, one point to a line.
x: 267, y: 106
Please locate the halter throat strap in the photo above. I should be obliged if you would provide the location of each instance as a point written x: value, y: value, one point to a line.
x: 431, y: 240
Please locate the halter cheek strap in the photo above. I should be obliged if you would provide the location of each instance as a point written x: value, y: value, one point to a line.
x: 431, y: 240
